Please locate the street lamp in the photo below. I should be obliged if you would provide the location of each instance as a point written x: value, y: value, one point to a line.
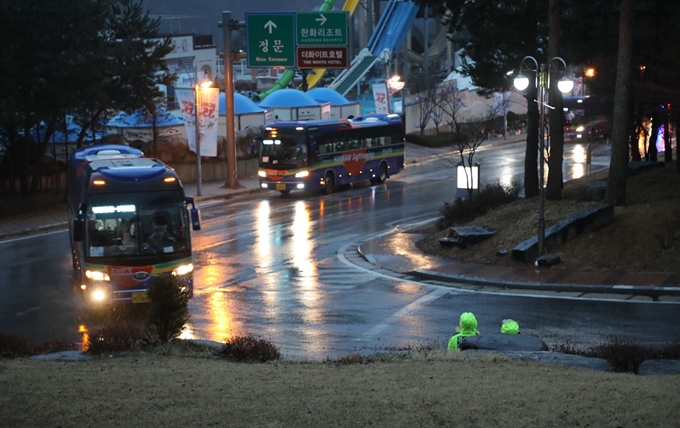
x: 542, y: 82
x: 197, y: 103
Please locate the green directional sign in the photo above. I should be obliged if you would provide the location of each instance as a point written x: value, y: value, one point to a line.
x: 270, y: 38
x: 321, y: 28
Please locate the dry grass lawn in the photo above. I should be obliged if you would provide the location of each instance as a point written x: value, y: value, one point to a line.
x: 432, y: 390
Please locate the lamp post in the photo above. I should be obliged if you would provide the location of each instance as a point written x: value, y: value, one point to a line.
x: 542, y: 82
x: 203, y: 85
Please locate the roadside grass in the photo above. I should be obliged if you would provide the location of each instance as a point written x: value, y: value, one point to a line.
x: 124, y: 338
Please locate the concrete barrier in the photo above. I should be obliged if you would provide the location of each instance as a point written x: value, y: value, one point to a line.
x: 567, y: 229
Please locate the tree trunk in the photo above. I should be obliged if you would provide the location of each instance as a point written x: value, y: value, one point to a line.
x: 531, y: 154
x: 555, y: 116
x: 618, y: 164
x: 667, y: 149
x: 652, y: 156
x: 553, y: 190
x: 635, y: 134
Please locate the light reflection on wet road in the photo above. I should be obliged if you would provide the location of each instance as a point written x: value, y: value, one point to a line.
x: 269, y: 266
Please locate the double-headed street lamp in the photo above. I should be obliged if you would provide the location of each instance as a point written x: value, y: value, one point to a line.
x: 542, y: 82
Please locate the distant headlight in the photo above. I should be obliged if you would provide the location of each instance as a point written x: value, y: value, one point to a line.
x: 97, y: 276
x: 183, y: 270
x: 261, y: 174
x: 99, y: 295
x: 580, y: 129
x: 302, y: 174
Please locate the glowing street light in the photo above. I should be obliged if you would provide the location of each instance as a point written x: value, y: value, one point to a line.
x: 542, y: 82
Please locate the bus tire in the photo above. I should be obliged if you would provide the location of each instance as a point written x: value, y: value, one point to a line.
x: 329, y: 183
x: 382, y: 174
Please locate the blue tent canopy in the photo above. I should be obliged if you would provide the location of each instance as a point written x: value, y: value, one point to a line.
x: 328, y: 95
x: 289, y: 98
x: 142, y: 119
x: 242, y: 105
x: 69, y: 134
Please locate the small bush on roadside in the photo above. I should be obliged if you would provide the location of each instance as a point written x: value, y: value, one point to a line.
x: 443, y: 139
x: 14, y: 346
x: 624, y: 356
x: 169, y: 309
x: 116, y: 337
x: 250, y: 348
x: 462, y: 210
x: 352, y: 359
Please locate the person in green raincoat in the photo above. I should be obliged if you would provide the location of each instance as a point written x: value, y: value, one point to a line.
x: 510, y: 327
x: 467, y: 327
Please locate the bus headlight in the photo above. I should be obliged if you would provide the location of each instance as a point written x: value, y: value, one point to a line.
x: 99, y: 295
x: 302, y: 174
x: 183, y: 270
x: 96, y: 275
x: 262, y: 174
x: 580, y: 129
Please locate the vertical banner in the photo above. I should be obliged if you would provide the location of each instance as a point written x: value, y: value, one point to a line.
x: 186, y: 106
x: 381, y: 98
x: 208, y: 99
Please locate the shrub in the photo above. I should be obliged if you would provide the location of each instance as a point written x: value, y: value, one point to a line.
x: 624, y: 356
x: 462, y: 210
x: 115, y: 337
x: 169, y: 309
x: 14, y: 346
x: 352, y: 359
x: 250, y: 348
x: 443, y: 139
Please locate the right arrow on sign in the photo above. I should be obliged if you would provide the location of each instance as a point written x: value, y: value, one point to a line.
x: 321, y: 19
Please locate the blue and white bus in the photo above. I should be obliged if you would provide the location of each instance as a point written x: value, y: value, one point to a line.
x: 325, y: 154
x: 129, y: 222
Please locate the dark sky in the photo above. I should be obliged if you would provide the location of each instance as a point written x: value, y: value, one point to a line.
x: 202, y: 16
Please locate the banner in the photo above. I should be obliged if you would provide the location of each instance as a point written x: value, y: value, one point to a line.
x: 208, y: 99
x: 381, y: 98
x: 208, y: 102
x: 185, y: 98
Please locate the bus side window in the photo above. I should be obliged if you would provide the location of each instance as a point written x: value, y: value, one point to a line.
x: 340, y: 146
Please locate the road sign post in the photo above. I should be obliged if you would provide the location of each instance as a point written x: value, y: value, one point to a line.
x: 270, y: 39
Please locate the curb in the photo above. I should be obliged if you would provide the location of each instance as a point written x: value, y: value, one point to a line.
x: 650, y: 291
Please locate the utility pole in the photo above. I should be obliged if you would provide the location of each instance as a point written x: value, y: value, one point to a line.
x: 227, y: 26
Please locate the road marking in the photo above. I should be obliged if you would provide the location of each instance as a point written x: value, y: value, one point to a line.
x: 22, y: 313
x: 411, y: 307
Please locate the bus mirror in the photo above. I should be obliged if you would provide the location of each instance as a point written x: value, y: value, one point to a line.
x: 195, y: 218
x: 78, y: 228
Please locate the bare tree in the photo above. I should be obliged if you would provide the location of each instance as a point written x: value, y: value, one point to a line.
x: 426, y: 105
x: 449, y: 103
x: 472, y: 132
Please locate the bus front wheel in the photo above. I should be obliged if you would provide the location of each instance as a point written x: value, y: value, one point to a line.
x: 329, y: 183
x: 382, y: 174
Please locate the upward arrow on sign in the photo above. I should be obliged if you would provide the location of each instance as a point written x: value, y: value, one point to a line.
x: 270, y: 26
x: 321, y: 19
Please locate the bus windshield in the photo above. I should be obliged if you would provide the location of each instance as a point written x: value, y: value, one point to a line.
x: 284, y: 150
x: 131, y: 224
